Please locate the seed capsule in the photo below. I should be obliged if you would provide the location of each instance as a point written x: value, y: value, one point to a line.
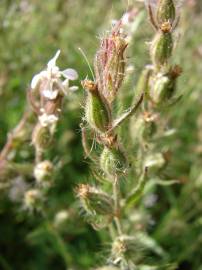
x: 162, y: 89
x: 41, y: 137
x: 161, y: 49
x: 142, y: 84
x: 95, y: 201
x: 164, y: 86
x: 97, y: 111
x: 113, y: 161
x: 126, y: 247
x: 166, y: 11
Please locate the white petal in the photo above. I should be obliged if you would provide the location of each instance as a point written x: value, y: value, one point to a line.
x: 70, y: 74
x: 65, y: 83
x: 36, y: 79
x: 52, y: 62
x: 50, y: 94
x: 126, y: 18
x: 114, y: 22
x: 73, y: 88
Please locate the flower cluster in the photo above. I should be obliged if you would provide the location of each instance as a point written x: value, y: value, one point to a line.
x: 46, y: 94
x: 47, y: 91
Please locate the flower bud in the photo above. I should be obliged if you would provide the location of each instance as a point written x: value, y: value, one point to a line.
x: 113, y: 161
x: 97, y: 111
x: 95, y: 201
x: 41, y: 137
x: 43, y: 171
x: 110, y: 63
x: 161, y: 49
x: 165, y: 11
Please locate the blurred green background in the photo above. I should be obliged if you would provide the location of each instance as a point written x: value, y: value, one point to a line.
x: 31, y: 31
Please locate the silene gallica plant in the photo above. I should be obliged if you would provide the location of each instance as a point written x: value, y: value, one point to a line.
x: 120, y: 179
x: 121, y: 148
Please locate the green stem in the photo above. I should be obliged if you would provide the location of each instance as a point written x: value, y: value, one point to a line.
x: 60, y: 244
x: 117, y: 209
x: 136, y: 194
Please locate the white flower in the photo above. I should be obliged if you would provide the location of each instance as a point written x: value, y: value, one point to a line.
x: 53, y: 79
x: 47, y: 119
x: 70, y: 74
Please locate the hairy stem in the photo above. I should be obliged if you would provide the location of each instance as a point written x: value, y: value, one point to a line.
x: 117, y: 208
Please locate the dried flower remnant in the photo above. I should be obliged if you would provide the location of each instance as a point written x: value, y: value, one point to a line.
x: 43, y: 171
x: 125, y: 247
x: 33, y: 199
x: 110, y: 63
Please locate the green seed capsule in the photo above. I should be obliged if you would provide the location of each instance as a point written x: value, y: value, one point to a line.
x: 163, y: 89
x: 165, y: 11
x: 126, y: 247
x: 161, y: 49
x: 97, y: 111
x: 95, y: 201
x: 113, y: 161
x: 142, y: 84
x: 41, y: 137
